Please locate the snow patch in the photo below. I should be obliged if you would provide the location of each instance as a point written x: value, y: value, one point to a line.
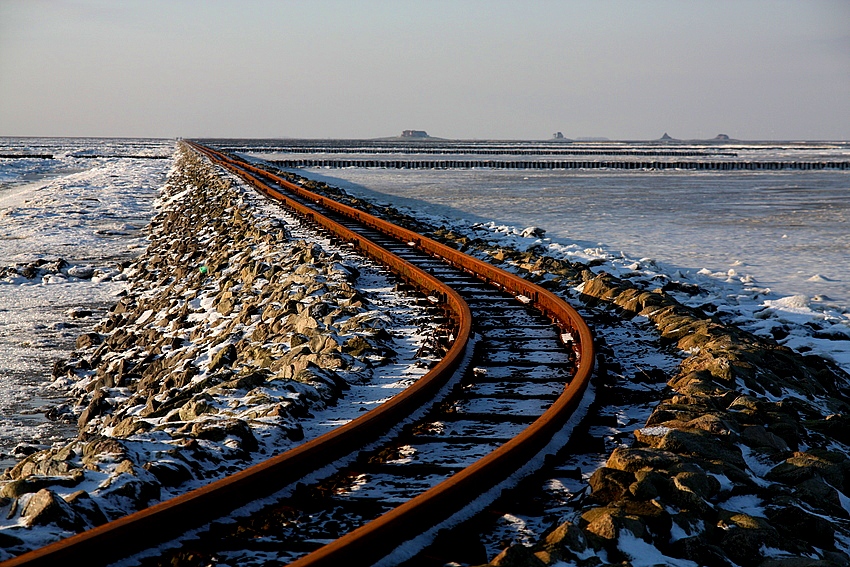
x: 642, y: 554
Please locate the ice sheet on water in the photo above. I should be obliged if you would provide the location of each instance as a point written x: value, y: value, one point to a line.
x: 793, y: 303
x: 674, y: 216
x: 88, y: 212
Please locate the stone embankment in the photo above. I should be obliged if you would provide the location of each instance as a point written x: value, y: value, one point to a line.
x: 744, y: 461
x: 230, y: 333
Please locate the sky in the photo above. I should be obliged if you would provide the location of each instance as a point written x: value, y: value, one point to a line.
x: 463, y: 69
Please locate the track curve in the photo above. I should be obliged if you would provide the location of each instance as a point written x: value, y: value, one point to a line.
x: 370, y: 542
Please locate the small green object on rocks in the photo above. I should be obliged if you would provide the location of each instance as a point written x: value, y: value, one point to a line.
x: 203, y: 270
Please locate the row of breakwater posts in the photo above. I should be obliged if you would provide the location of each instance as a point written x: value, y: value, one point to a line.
x: 561, y: 164
x: 477, y: 150
x: 26, y: 156
x: 86, y: 156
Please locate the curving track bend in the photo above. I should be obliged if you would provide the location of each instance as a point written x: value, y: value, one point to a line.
x: 517, y: 362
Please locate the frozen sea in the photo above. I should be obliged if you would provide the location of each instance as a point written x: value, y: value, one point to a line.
x: 86, y: 204
x: 788, y: 231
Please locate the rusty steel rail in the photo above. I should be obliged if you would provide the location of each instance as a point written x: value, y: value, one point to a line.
x: 372, y: 541
x: 551, y: 305
x: 167, y: 520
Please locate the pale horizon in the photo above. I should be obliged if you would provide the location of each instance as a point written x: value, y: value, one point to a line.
x: 754, y: 70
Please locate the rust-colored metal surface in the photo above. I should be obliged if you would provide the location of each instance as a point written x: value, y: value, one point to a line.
x: 167, y: 520
x: 367, y: 544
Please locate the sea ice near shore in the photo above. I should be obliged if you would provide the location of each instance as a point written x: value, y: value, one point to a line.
x: 89, y: 212
x: 770, y: 239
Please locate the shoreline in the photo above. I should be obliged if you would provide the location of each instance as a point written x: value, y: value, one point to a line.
x: 67, y: 239
x: 621, y: 218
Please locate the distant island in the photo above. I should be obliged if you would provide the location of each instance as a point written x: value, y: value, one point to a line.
x: 560, y: 137
x: 718, y: 138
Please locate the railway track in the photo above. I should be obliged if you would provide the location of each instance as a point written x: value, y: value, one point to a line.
x: 518, y: 360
